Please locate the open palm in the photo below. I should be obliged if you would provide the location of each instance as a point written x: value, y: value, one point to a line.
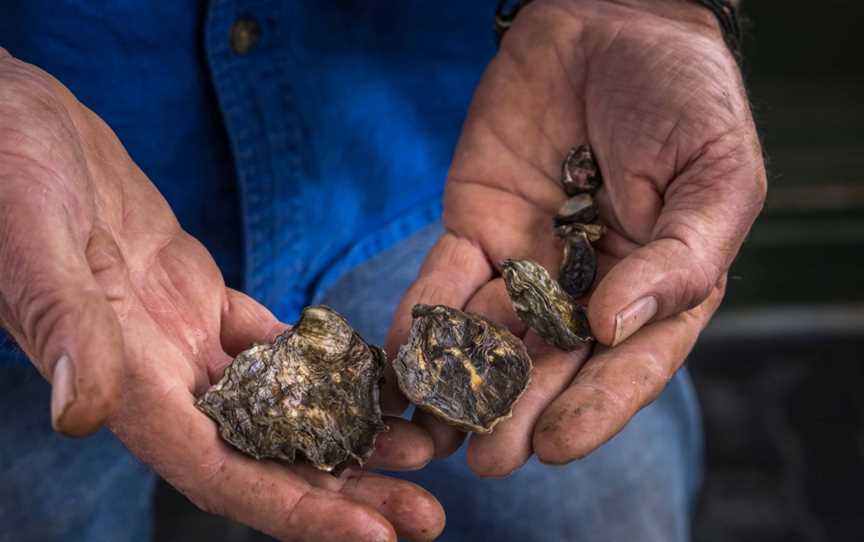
x: 96, y: 271
x: 661, y: 102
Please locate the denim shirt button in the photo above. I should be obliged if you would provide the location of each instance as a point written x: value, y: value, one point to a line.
x: 244, y: 35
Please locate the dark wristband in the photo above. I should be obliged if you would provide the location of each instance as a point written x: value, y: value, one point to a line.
x: 723, y: 10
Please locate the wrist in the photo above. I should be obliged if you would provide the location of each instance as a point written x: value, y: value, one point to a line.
x: 688, y: 12
x: 693, y: 15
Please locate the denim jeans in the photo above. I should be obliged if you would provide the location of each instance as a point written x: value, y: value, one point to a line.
x: 640, y: 486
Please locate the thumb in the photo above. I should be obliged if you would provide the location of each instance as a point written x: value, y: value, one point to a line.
x: 658, y: 280
x: 55, y: 309
x: 706, y: 213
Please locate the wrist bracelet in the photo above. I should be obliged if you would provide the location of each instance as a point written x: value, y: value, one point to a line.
x: 723, y: 10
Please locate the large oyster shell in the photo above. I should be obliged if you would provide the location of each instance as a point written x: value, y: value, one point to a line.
x: 461, y: 367
x: 313, y: 391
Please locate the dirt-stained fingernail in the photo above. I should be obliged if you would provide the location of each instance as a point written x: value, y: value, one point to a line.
x: 631, y: 319
x: 63, y: 392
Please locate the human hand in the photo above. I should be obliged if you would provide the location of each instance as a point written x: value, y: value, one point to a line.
x: 652, y: 87
x: 129, y: 318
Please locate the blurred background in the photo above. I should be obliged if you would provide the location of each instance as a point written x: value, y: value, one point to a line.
x: 780, y: 371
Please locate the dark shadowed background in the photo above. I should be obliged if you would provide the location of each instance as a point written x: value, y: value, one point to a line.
x: 780, y: 371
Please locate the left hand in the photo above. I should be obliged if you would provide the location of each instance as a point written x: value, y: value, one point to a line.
x: 652, y: 87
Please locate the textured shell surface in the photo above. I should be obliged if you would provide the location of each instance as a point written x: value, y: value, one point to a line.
x: 578, y: 209
x: 461, y: 367
x: 314, y: 392
x: 579, y: 172
x: 592, y: 232
x: 579, y: 266
x: 544, y: 306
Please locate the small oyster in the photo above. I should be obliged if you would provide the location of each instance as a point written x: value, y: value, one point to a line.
x: 578, y: 209
x: 314, y: 391
x: 579, y: 266
x: 592, y: 231
x: 580, y: 173
x: 542, y: 304
x: 462, y: 368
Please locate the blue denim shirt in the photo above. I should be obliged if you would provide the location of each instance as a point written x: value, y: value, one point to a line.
x: 324, y: 143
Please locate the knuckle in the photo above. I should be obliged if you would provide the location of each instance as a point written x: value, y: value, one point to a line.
x: 433, y: 288
x: 695, y: 274
x: 12, y: 245
x: 39, y: 308
x: 45, y: 309
x: 699, y: 283
x: 688, y: 289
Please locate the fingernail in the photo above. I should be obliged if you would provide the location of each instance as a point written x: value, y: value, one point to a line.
x: 634, y: 317
x: 63, y: 391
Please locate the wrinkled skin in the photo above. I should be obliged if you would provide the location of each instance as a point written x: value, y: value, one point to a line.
x: 94, y: 265
x: 652, y: 87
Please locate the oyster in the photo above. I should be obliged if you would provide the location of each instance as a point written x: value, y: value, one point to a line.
x: 579, y: 266
x: 313, y: 391
x: 578, y: 209
x: 592, y: 231
x: 542, y: 304
x: 462, y: 368
x: 579, y: 172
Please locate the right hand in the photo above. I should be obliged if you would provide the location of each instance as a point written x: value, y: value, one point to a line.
x: 129, y: 318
